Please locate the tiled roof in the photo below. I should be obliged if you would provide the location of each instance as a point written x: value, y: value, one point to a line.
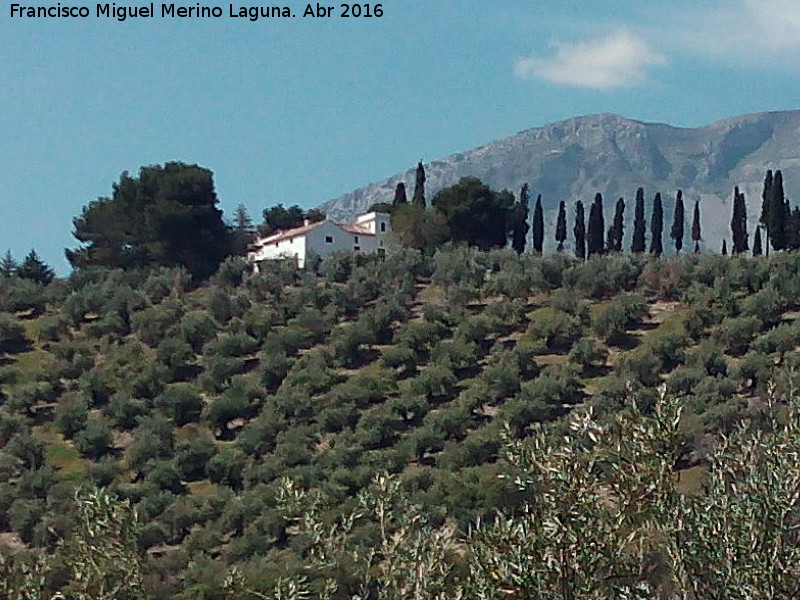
x: 288, y: 233
x: 359, y: 229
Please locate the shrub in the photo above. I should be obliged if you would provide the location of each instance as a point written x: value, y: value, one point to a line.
x: 12, y: 334
x: 588, y: 353
x: 192, y: 456
x: 71, y: 414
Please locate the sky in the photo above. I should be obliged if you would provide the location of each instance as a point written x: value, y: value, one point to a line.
x: 302, y: 110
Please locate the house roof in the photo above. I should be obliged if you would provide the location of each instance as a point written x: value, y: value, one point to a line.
x: 356, y: 228
x: 353, y: 228
x: 288, y: 233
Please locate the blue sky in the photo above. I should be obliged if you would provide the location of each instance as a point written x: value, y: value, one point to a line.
x: 303, y: 110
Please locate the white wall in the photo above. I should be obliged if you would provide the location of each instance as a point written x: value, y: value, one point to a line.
x: 316, y: 241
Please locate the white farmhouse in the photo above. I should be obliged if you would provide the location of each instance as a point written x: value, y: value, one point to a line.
x: 370, y: 233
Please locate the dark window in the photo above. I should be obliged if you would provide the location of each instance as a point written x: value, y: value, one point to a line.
x: 357, y: 248
x: 355, y: 239
x: 328, y: 239
x: 381, y: 252
x: 383, y: 226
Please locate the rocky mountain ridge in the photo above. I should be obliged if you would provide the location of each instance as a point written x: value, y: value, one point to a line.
x: 575, y: 158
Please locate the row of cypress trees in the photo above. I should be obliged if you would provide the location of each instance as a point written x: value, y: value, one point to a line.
x: 593, y: 238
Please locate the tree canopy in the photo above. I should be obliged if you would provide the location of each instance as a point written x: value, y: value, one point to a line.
x: 167, y: 216
x: 475, y: 213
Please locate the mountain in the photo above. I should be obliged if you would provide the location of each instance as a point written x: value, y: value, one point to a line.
x: 574, y: 159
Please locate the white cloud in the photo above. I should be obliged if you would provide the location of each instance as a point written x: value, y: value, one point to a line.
x: 764, y: 32
x: 619, y: 60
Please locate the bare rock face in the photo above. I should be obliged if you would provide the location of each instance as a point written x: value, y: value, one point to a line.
x: 574, y: 159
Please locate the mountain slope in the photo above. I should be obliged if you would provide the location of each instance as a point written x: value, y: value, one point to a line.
x: 576, y: 158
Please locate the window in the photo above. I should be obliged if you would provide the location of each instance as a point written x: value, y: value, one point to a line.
x: 355, y: 239
x: 357, y: 248
x: 328, y: 239
x: 383, y: 226
x: 381, y: 252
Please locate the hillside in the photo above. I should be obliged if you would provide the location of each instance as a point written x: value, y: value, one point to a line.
x: 574, y: 159
x: 194, y: 403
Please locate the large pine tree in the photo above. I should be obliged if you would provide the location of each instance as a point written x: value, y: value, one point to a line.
x: 739, y: 241
x: 538, y: 225
x: 639, y: 223
x: 561, y: 225
x: 697, y: 234
x: 678, y: 218
x: 419, y: 187
x: 596, y: 229
x: 579, y: 231
x: 519, y: 226
x: 777, y: 213
x: 657, y: 227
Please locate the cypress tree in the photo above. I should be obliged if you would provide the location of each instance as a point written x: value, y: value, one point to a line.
x: 777, y: 213
x: 400, y: 196
x: 696, y: 233
x: 561, y: 225
x: 520, y: 225
x: 617, y: 229
x: 594, y: 234
x: 766, y: 198
x: 793, y: 229
x: 739, y: 223
x: 757, y: 249
x: 579, y: 231
x: 724, y: 247
x: 538, y: 225
x: 657, y: 226
x: 678, y: 218
x: 766, y: 195
x: 419, y: 187
x: 639, y: 223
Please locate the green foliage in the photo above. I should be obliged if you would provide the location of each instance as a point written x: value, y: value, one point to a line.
x: 165, y: 216
x: 476, y: 215
x: 12, y: 334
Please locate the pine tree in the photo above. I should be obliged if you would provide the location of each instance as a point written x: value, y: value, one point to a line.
x: 724, y: 247
x: 757, y: 249
x: 519, y: 229
x: 777, y: 213
x: 538, y: 225
x: 8, y: 266
x: 596, y: 230
x: 739, y: 223
x: 419, y: 187
x: 243, y: 232
x: 696, y: 232
x: 579, y: 231
x: 639, y: 223
x: 657, y: 227
x: 678, y: 218
x: 617, y: 229
x: 35, y: 269
x: 561, y: 225
x: 400, y: 196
